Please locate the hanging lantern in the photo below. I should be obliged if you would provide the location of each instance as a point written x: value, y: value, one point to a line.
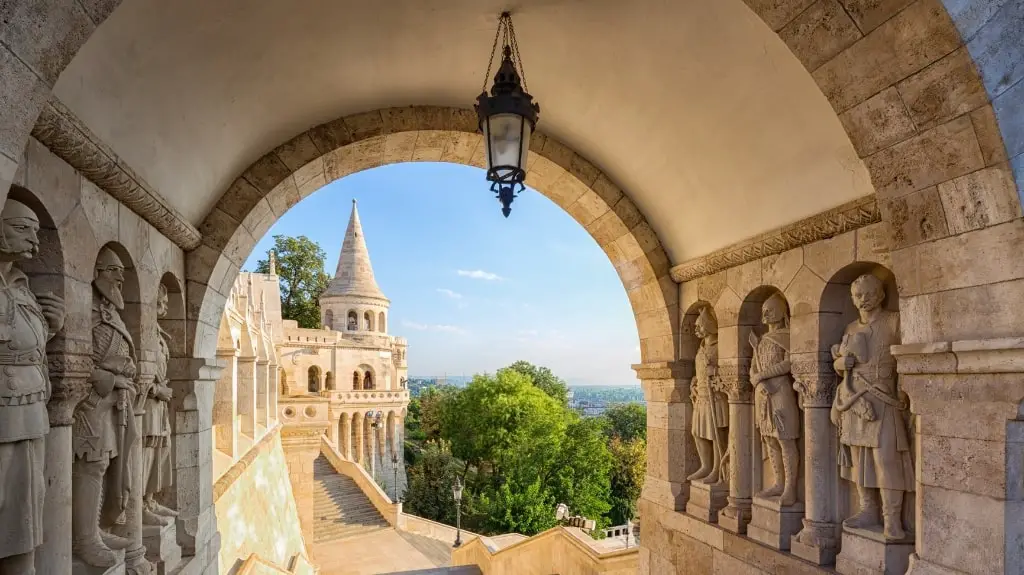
x: 507, y: 116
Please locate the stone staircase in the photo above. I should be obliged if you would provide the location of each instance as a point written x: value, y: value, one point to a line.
x: 340, y: 508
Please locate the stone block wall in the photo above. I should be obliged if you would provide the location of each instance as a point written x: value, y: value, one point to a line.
x: 256, y: 508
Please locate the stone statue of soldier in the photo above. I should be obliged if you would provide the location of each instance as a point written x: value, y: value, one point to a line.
x: 27, y: 322
x: 104, y: 425
x: 156, y: 429
x: 776, y: 412
x: 870, y: 411
x: 710, y: 427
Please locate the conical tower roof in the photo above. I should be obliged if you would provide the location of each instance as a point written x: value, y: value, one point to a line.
x: 354, y: 276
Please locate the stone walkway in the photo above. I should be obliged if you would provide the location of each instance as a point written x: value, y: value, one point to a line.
x: 384, y: 551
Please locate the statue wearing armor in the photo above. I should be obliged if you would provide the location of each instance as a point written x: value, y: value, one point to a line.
x: 104, y: 425
x: 870, y: 411
x: 776, y: 412
x: 710, y: 410
x: 27, y: 322
x: 156, y: 429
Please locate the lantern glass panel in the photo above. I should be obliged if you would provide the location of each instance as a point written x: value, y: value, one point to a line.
x: 505, y: 134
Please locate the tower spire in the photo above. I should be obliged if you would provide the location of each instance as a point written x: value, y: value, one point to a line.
x: 354, y: 275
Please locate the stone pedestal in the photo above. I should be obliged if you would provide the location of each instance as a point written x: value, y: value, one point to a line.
x: 706, y: 501
x: 817, y: 542
x: 773, y: 524
x: 736, y: 515
x: 80, y: 568
x: 162, y: 547
x: 867, y: 552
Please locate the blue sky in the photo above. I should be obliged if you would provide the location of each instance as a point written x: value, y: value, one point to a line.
x: 471, y: 290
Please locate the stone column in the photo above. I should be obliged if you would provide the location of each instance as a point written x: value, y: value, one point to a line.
x: 346, y: 436
x: 247, y: 395
x: 193, y: 382
x: 225, y: 403
x: 969, y: 453
x: 357, y: 426
x: 373, y: 450
x: 671, y: 453
x: 735, y: 378
x: 275, y: 390
x: 818, y: 541
x: 332, y: 429
x: 301, y: 444
x: 262, y: 380
x: 69, y: 373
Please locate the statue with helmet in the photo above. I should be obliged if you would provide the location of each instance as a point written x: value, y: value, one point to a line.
x: 156, y: 429
x: 776, y: 411
x: 27, y: 322
x: 710, y: 427
x: 104, y: 427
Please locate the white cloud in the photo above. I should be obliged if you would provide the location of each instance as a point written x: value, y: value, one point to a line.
x: 449, y: 293
x: 433, y: 327
x: 479, y: 275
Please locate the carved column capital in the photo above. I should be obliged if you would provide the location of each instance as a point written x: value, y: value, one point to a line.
x: 734, y: 376
x: 815, y: 381
x: 69, y: 383
x: 666, y: 381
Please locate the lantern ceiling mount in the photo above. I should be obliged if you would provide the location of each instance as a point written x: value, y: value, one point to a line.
x: 507, y: 117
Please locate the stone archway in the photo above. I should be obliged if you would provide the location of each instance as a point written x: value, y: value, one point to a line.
x: 331, y: 151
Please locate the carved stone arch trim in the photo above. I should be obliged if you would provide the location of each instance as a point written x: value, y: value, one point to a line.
x: 333, y: 150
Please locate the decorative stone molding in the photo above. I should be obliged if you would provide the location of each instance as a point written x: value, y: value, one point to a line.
x: 816, y: 383
x: 68, y: 375
x: 66, y: 136
x: 1000, y: 355
x: 680, y: 369
x: 735, y: 380
x: 849, y: 216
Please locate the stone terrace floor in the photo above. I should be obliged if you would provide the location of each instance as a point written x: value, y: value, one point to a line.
x: 383, y: 551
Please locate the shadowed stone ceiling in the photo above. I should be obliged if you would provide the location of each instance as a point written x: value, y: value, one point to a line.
x: 694, y: 107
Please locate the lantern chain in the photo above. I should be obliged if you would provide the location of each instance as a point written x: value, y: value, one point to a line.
x: 507, y: 33
x: 515, y: 53
x: 494, y: 48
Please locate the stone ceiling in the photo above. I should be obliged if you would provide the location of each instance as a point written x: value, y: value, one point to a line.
x: 695, y: 107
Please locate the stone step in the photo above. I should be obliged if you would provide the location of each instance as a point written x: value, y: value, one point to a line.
x: 340, y: 508
x: 459, y: 570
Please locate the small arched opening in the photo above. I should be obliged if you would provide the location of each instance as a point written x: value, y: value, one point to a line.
x: 329, y: 381
x: 329, y: 319
x: 353, y: 320
x: 368, y: 380
x: 314, y: 379
x: 368, y: 321
x: 382, y: 325
x: 357, y: 381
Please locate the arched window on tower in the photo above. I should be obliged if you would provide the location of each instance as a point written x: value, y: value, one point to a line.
x: 368, y: 381
x: 329, y: 319
x: 382, y: 326
x: 314, y: 379
x: 329, y: 381
x: 353, y: 320
x: 357, y: 381
x: 368, y: 321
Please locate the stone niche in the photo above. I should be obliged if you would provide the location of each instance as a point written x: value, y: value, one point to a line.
x: 785, y: 326
x: 114, y: 364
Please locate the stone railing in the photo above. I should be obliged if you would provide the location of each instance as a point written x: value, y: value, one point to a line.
x: 433, y: 529
x: 303, y: 409
x: 621, y: 530
x: 368, y: 396
x: 557, y: 550
x: 391, y: 511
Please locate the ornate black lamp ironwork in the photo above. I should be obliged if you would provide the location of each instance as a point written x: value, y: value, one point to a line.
x: 507, y: 116
x: 457, y: 495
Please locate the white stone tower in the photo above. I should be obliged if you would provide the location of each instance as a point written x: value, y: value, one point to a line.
x: 353, y: 302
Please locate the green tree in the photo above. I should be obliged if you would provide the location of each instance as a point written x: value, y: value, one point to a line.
x: 580, y: 477
x: 627, y: 477
x: 300, y: 267
x: 544, y: 379
x: 429, y: 492
x: 434, y: 402
x: 627, y: 421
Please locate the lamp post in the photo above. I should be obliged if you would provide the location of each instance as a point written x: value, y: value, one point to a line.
x: 394, y: 465
x: 457, y: 494
x: 507, y: 116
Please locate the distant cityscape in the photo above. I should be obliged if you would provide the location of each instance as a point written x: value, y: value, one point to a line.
x: 589, y: 400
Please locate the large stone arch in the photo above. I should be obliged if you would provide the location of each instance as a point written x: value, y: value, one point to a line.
x: 307, y: 162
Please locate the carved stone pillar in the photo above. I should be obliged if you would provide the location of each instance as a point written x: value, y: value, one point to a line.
x: 262, y: 380
x: 275, y: 390
x: 193, y: 382
x: 735, y: 377
x: 247, y: 395
x: 301, y: 444
x: 969, y: 453
x: 671, y: 453
x: 358, y: 431
x: 346, y: 436
x: 225, y: 404
x: 818, y: 541
x: 373, y: 450
x: 333, y: 429
x: 69, y: 373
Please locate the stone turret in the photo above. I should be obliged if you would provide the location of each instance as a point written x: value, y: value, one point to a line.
x: 353, y: 302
